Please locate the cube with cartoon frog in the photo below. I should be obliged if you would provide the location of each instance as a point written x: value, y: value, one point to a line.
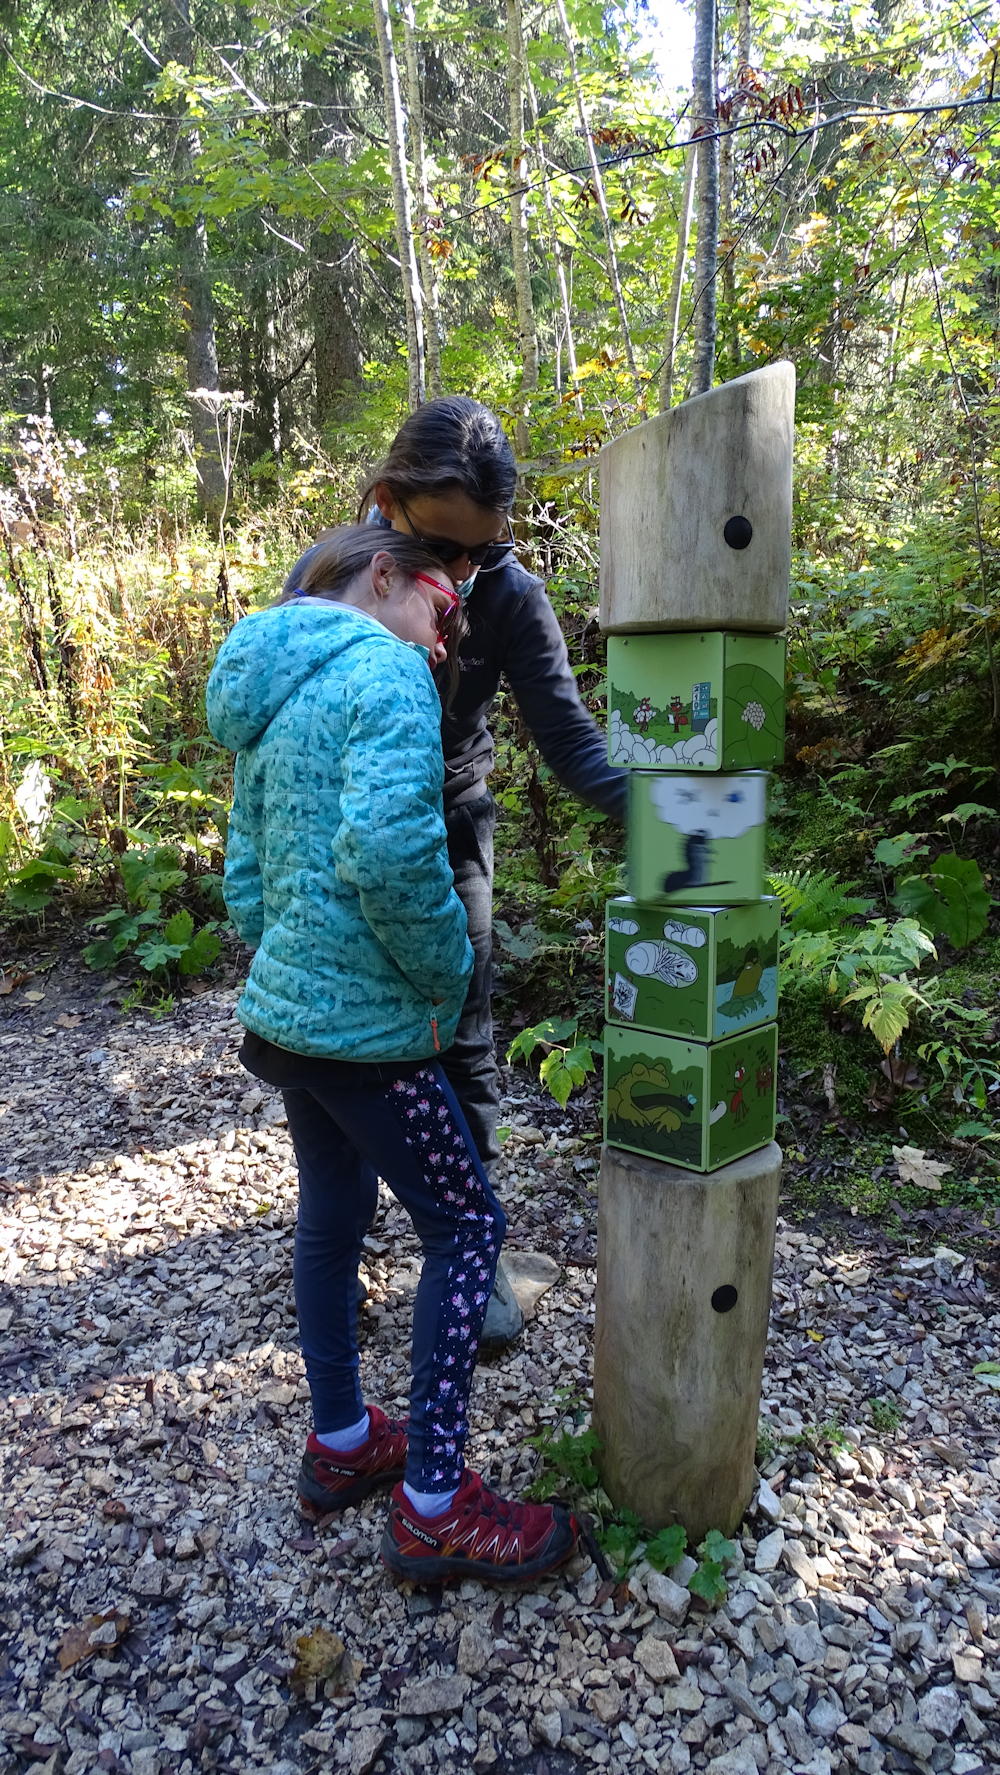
x: 694, y: 1104
x: 696, y: 840
x: 705, y: 972
x: 696, y: 701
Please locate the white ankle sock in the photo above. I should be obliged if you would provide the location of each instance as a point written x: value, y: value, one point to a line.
x: 429, y: 1503
x: 343, y: 1441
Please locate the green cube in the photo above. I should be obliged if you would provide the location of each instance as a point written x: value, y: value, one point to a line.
x: 696, y: 702
x: 696, y: 841
x: 695, y: 1104
x: 704, y: 973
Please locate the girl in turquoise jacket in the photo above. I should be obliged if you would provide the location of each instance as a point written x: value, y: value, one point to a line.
x: 337, y: 876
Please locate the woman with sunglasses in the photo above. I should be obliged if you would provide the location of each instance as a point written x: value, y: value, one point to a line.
x: 337, y: 877
x: 449, y: 479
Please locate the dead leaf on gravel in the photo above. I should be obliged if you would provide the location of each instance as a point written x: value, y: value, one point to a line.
x: 320, y: 1656
x: 15, y: 977
x: 92, y: 1636
x: 65, y: 1021
x: 915, y: 1167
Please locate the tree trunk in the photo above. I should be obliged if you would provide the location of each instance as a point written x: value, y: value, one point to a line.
x: 599, y: 192
x: 677, y: 282
x: 409, y: 272
x: 555, y: 249
x: 428, y: 275
x: 333, y: 296
x: 726, y: 174
x: 705, y: 118
x: 519, y: 219
x: 199, y: 316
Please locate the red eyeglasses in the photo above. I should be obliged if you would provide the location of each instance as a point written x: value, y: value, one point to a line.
x: 442, y: 617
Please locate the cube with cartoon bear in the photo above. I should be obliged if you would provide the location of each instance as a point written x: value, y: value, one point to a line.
x: 694, y: 1104
x: 711, y: 701
x: 703, y: 972
x: 696, y: 840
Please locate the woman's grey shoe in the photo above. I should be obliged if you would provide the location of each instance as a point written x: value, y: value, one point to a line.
x: 504, y: 1318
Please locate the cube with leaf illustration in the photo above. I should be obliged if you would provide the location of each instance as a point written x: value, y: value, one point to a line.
x: 696, y: 840
x: 694, y: 1104
x: 704, y: 972
x: 680, y: 701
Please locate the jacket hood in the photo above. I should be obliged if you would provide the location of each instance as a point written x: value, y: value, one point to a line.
x: 269, y: 656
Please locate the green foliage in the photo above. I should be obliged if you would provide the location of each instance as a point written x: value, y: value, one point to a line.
x: 566, y: 1457
x: 569, y: 1464
x: 886, y: 1415
x: 32, y: 888
x: 567, y: 1060
x: 948, y: 899
x: 814, y: 900
x: 666, y: 1547
x: 709, y: 1582
x: 162, y: 943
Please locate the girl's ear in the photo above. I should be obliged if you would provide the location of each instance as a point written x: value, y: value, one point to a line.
x: 382, y: 568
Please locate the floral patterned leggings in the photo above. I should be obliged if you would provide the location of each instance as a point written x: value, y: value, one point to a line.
x: 403, y: 1124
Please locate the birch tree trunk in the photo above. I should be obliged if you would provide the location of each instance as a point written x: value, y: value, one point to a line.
x: 428, y: 275
x: 705, y: 120
x: 198, y: 307
x: 555, y: 249
x: 728, y: 242
x: 409, y: 271
x: 519, y: 219
x: 677, y: 282
x: 599, y: 191
x: 333, y: 295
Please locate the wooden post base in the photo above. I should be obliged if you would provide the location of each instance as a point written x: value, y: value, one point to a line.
x: 684, y: 1267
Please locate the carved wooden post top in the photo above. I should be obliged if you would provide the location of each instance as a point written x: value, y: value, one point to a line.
x: 696, y: 512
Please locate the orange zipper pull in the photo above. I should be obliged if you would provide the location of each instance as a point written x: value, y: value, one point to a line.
x: 434, y: 1030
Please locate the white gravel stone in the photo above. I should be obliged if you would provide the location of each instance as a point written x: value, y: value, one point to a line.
x: 768, y: 1555
x: 939, y: 1710
x: 670, y: 1600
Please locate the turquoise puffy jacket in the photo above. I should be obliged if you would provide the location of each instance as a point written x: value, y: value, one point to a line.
x: 337, y: 869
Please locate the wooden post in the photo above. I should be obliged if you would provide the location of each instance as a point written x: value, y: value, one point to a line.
x: 695, y: 535
x: 683, y: 1292
x: 696, y: 510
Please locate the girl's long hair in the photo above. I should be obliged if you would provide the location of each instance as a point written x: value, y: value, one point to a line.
x: 340, y: 555
x: 448, y: 444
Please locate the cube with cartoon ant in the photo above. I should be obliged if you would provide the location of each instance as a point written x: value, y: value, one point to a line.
x: 694, y: 1104
x: 710, y: 701
x: 704, y: 972
x: 696, y: 840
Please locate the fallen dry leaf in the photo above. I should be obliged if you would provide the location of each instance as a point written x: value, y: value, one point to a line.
x: 66, y: 1021
x: 76, y: 1643
x: 318, y: 1656
x: 34, y: 998
x: 16, y: 977
x: 915, y: 1167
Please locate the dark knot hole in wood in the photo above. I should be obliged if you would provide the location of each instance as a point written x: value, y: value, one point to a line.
x: 738, y: 532
x: 724, y: 1299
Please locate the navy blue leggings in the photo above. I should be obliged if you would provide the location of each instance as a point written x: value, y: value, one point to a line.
x: 410, y: 1131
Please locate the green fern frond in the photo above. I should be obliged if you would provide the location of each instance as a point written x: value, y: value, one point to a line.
x: 814, y: 900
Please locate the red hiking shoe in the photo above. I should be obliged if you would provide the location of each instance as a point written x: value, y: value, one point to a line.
x: 330, y: 1481
x: 480, y: 1535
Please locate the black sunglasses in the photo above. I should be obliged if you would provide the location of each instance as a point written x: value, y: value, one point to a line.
x: 447, y: 550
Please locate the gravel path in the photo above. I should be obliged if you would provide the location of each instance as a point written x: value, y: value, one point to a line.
x: 163, y: 1609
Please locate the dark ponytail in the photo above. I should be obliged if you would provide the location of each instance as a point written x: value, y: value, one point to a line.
x: 451, y: 444
x: 340, y: 555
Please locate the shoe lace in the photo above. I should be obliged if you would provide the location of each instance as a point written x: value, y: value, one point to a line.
x: 508, y: 1512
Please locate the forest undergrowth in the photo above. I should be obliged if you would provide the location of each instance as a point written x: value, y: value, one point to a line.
x: 883, y: 823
